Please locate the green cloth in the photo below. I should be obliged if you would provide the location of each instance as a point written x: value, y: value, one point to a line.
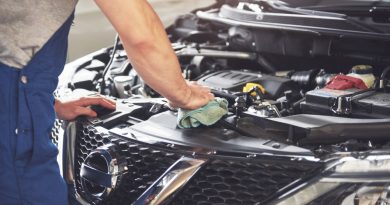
x: 206, y: 115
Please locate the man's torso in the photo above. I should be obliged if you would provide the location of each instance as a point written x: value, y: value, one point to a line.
x: 26, y: 25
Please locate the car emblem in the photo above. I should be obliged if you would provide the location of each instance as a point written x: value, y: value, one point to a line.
x: 101, y: 172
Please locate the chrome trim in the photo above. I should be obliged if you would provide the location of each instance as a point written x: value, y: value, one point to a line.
x: 70, y: 146
x: 365, y: 165
x: 174, y: 179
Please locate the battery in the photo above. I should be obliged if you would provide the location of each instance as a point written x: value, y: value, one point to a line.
x: 376, y: 105
x: 357, y: 103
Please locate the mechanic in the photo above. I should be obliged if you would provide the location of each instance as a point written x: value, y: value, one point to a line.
x: 33, y: 50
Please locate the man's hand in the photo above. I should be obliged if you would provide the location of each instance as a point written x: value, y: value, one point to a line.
x: 70, y: 110
x: 197, y: 96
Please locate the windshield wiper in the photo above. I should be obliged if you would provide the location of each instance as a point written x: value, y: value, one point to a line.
x: 281, y: 7
x: 379, y: 12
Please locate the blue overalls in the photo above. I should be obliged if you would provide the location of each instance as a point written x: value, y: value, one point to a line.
x: 29, y: 173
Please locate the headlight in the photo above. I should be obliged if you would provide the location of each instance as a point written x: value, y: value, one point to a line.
x: 346, y: 181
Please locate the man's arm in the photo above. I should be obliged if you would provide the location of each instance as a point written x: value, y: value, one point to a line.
x: 150, y: 52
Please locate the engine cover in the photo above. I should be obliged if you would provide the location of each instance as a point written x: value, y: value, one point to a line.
x: 234, y: 80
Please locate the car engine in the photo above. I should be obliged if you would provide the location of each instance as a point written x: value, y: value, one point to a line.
x: 255, y: 85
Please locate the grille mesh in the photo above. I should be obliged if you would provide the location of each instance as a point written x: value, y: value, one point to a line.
x: 239, y: 182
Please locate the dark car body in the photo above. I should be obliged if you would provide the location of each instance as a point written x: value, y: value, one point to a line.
x: 296, y: 143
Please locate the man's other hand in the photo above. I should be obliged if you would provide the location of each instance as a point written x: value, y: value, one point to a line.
x: 70, y: 110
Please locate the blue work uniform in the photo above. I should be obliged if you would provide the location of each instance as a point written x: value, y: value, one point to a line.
x: 29, y: 172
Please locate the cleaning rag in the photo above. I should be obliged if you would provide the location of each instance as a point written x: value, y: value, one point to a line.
x: 206, y: 115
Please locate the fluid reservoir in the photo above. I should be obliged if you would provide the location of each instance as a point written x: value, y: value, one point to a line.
x: 363, y: 72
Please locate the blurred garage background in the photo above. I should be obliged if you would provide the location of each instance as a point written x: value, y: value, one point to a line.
x: 92, y: 31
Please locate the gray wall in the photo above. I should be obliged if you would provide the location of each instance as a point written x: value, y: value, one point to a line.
x: 92, y: 31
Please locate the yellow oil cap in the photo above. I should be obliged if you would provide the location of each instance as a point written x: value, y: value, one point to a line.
x: 249, y: 86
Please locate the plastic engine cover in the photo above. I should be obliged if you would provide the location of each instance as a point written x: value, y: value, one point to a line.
x: 233, y: 80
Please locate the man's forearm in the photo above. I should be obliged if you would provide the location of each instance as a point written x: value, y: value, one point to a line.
x: 147, y: 46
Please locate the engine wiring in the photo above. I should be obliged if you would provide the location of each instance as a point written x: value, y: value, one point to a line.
x: 108, y: 66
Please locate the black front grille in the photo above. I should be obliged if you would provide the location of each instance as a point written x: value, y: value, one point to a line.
x: 145, y: 164
x: 225, y: 181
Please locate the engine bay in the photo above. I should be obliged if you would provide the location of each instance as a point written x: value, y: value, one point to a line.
x: 325, y: 93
